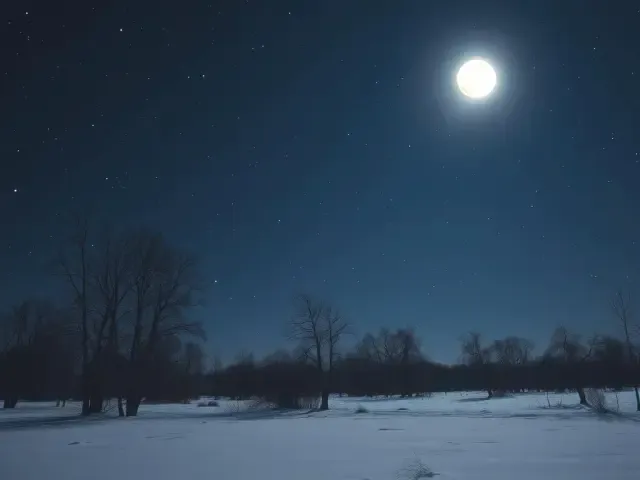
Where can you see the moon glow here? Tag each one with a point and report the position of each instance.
(476, 78)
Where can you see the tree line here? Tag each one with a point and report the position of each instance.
(125, 334)
(121, 334)
(391, 362)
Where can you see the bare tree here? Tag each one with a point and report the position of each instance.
(474, 354)
(176, 287)
(512, 351)
(610, 350)
(400, 347)
(319, 329)
(32, 352)
(569, 349)
(74, 264)
(336, 327)
(19, 328)
(164, 284)
(369, 349)
(143, 258)
(113, 286)
(145, 254)
(406, 348)
(100, 281)
(622, 309)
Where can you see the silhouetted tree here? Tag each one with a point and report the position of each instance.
(74, 265)
(396, 352)
(475, 355)
(165, 282)
(319, 329)
(569, 350)
(512, 351)
(112, 285)
(131, 291)
(622, 309)
(36, 357)
(610, 351)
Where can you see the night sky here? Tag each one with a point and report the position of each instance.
(323, 147)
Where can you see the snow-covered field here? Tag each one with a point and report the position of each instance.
(457, 436)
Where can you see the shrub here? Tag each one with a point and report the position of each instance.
(596, 399)
(361, 409)
(237, 406)
(416, 470)
(501, 394)
(557, 404)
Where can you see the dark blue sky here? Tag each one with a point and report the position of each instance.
(322, 147)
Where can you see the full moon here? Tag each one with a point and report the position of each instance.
(476, 78)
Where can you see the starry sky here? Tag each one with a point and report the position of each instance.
(322, 147)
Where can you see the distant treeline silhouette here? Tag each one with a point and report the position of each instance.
(125, 334)
(44, 370)
(283, 378)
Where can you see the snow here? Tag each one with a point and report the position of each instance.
(457, 436)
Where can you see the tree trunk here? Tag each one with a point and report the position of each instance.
(120, 407)
(86, 405)
(133, 404)
(489, 393)
(96, 403)
(86, 392)
(583, 398)
(10, 402)
(324, 405)
(637, 398)
(96, 398)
